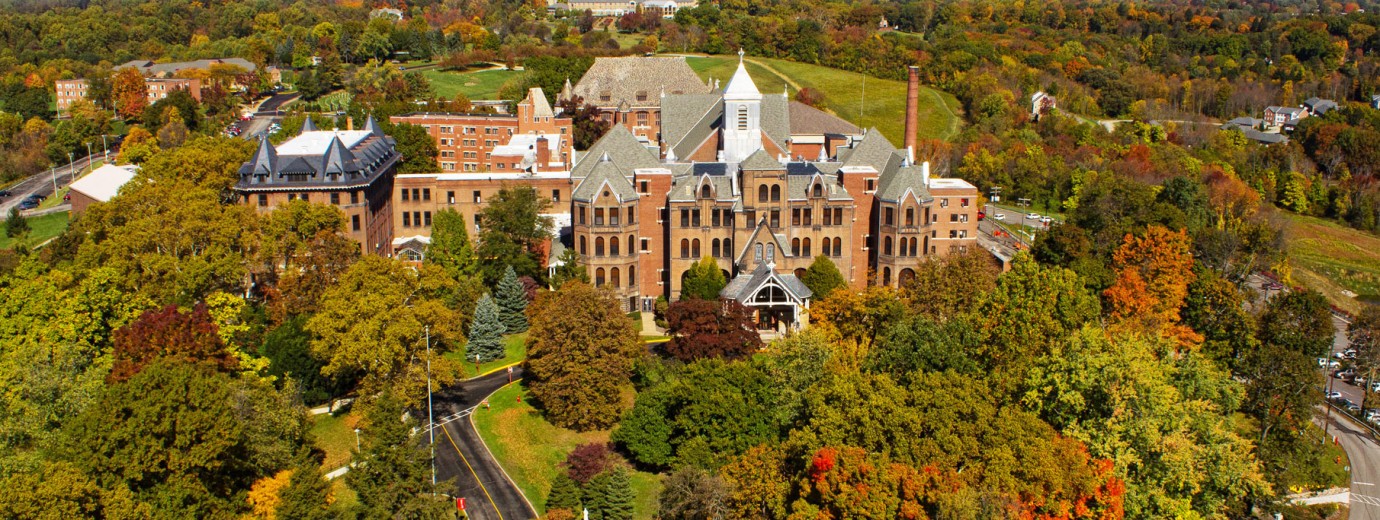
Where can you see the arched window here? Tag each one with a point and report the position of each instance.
(795, 247)
(776, 193)
(583, 243)
(632, 248)
(704, 191)
(714, 248)
(914, 245)
(838, 246)
(684, 248)
(616, 280)
(819, 190)
(599, 277)
(599, 246)
(757, 253)
(762, 194)
(805, 247)
(886, 246)
(632, 276)
(910, 216)
(613, 246)
(771, 253)
(695, 248)
(886, 276)
(728, 248)
(742, 117)
(926, 250)
(901, 247)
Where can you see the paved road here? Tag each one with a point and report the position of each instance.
(42, 182)
(268, 112)
(1364, 454)
(461, 455)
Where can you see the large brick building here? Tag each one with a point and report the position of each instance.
(628, 91)
(350, 169)
(732, 189)
(72, 90)
(534, 139)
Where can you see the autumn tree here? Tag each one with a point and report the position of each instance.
(513, 230)
(139, 144)
(317, 265)
(392, 474)
(450, 244)
(380, 334)
(759, 483)
(1215, 308)
(486, 332)
(948, 287)
(61, 490)
(169, 333)
(512, 302)
(1032, 309)
(1363, 334)
(823, 277)
(580, 353)
(693, 494)
(307, 494)
(1153, 272)
(858, 316)
(290, 229)
(710, 328)
(703, 280)
(129, 93)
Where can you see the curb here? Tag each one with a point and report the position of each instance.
(490, 453)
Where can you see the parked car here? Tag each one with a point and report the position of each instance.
(1350, 406)
(5, 193)
(1328, 363)
(1359, 381)
(28, 204)
(1375, 386)
(999, 216)
(1349, 353)
(1334, 395)
(1046, 220)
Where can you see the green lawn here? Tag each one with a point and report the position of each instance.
(40, 230)
(480, 84)
(336, 436)
(514, 348)
(1330, 257)
(54, 200)
(843, 94)
(531, 449)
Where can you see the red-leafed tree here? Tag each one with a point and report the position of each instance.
(710, 328)
(588, 460)
(189, 337)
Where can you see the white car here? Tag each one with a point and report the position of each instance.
(1334, 395)
(999, 216)
(1032, 216)
(1046, 220)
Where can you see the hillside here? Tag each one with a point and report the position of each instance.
(1332, 258)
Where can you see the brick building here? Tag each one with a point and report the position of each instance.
(351, 169)
(71, 90)
(732, 189)
(534, 139)
(628, 91)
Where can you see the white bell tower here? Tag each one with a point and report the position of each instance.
(742, 126)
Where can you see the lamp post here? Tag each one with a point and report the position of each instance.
(105, 147)
(430, 421)
(356, 439)
(88, 155)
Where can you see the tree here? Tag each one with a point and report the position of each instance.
(1363, 333)
(946, 288)
(616, 502)
(16, 225)
(513, 231)
(512, 301)
(823, 277)
(392, 472)
(918, 344)
(1215, 308)
(703, 280)
(580, 349)
(588, 460)
(416, 146)
(711, 328)
(129, 93)
(569, 268)
(379, 335)
(169, 333)
(586, 122)
(858, 317)
(173, 132)
(263, 496)
(1032, 309)
(60, 490)
(307, 495)
(565, 493)
(1299, 321)
(290, 229)
(694, 494)
(450, 244)
(288, 349)
(486, 332)
(188, 110)
(139, 145)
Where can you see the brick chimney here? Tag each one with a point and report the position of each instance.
(912, 106)
(543, 153)
(350, 123)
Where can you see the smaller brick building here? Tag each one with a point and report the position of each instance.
(100, 185)
(533, 140)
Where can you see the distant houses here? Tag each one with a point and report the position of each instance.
(1280, 116)
(1319, 106)
(1040, 102)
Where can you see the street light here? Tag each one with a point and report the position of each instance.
(356, 439)
(430, 421)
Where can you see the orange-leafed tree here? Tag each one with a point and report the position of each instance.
(129, 92)
(1153, 273)
(189, 337)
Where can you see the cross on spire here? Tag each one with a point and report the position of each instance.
(740, 55)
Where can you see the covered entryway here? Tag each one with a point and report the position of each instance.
(779, 301)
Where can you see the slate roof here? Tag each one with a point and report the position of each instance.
(1320, 106)
(686, 121)
(687, 188)
(874, 150)
(321, 159)
(622, 147)
(149, 67)
(1256, 135)
(623, 78)
(745, 285)
(799, 181)
(761, 160)
(759, 230)
(808, 120)
(893, 186)
(604, 174)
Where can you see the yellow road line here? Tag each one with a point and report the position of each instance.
(471, 468)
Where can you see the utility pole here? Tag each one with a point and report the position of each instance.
(430, 417)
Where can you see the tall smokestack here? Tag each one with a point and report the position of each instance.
(912, 106)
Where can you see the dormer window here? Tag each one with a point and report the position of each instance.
(819, 190)
(704, 192)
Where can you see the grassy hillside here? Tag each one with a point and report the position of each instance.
(843, 94)
(1330, 258)
(480, 84)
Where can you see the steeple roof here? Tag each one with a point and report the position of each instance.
(308, 125)
(265, 160)
(740, 86)
(372, 127)
(337, 157)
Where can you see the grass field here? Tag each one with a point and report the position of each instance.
(843, 94)
(480, 84)
(531, 449)
(40, 230)
(514, 348)
(336, 436)
(1331, 258)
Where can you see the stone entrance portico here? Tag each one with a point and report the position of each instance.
(779, 301)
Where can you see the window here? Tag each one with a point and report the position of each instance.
(903, 245)
(872, 185)
(416, 218)
(478, 199)
(963, 202)
(943, 203)
(714, 249)
(632, 217)
(890, 218)
(263, 199)
(838, 216)
(354, 197)
(795, 216)
(581, 214)
(614, 277)
(910, 216)
(684, 248)
(886, 246)
(304, 197)
(646, 245)
(292, 196)
(771, 253)
(819, 190)
(704, 191)
(728, 248)
(757, 253)
(795, 247)
(599, 277)
(775, 218)
(354, 222)
(742, 117)
(695, 248)
(838, 246)
(599, 246)
(953, 233)
(613, 246)
(805, 246)
(684, 218)
(807, 216)
(714, 218)
(583, 243)
(953, 217)
(695, 217)
(450, 197)
(555, 195)
(630, 245)
(776, 193)
(632, 276)
(641, 119)
(642, 186)
(963, 218)
(613, 216)
(427, 217)
(762, 194)
(335, 198)
(416, 194)
(426, 194)
(407, 219)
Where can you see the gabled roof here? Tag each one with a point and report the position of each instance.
(874, 150)
(808, 120)
(540, 108)
(265, 160)
(761, 160)
(798, 185)
(372, 126)
(744, 286)
(762, 229)
(622, 147)
(308, 125)
(687, 188)
(604, 175)
(337, 157)
(105, 182)
(906, 181)
(624, 78)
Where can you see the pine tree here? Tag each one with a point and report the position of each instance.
(307, 495)
(512, 300)
(565, 493)
(450, 245)
(16, 225)
(570, 269)
(609, 495)
(596, 495)
(486, 332)
(392, 476)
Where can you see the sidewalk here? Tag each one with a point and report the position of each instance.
(649, 327)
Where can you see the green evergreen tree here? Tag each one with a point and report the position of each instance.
(512, 302)
(609, 495)
(703, 280)
(450, 245)
(486, 332)
(307, 495)
(392, 474)
(569, 269)
(595, 495)
(565, 493)
(16, 224)
(823, 277)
